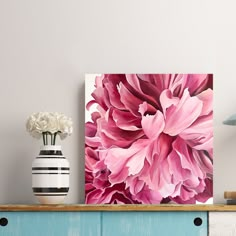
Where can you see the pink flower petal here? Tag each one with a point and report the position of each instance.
(101, 97)
(181, 115)
(90, 135)
(148, 196)
(204, 161)
(168, 100)
(207, 98)
(200, 134)
(186, 158)
(114, 194)
(126, 121)
(114, 95)
(143, 89)
(134, 184)
(198, 83)
(132, 102)
(125, 162)
(152, 125)
(207, 193)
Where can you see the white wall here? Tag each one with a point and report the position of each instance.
(47, 46)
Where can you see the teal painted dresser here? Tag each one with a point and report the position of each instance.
(105, 220)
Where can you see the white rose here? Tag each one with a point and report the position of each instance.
(64, 126)
(49, 122)
(31, 127)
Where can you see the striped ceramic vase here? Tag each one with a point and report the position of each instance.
(50, 175)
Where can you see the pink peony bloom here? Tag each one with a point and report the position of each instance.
(150, 140)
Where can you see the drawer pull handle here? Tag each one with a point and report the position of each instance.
(197, 221)
(3, 221)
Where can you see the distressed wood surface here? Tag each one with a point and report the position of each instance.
(103, 223)
(81, 207)
(222, 223)
(153, 224)
(51, 224)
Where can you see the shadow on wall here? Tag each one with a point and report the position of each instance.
(80, 147)
(19, 178)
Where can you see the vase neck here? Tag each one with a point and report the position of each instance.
(51, 148)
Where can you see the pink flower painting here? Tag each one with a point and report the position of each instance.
(149, 139)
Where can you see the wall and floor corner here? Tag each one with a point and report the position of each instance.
(47, 47)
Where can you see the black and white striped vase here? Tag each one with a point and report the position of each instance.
(50, 175)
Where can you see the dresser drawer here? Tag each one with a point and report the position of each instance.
(154, 224)
(222, 223)
(50, 224)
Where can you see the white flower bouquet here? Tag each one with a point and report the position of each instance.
(44, 124)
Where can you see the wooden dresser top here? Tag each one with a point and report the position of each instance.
(84, 207)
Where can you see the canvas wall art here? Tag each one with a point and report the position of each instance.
(149, 138)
